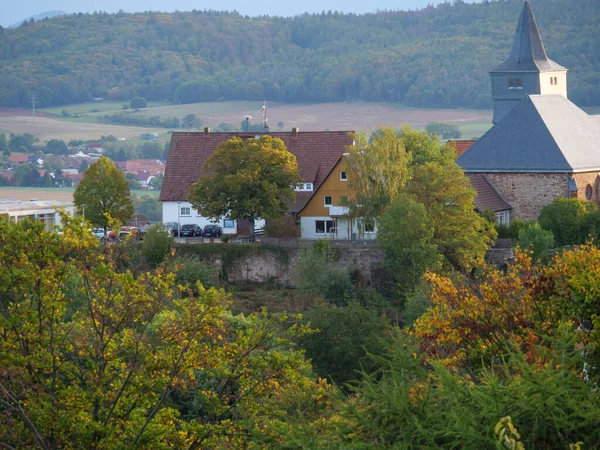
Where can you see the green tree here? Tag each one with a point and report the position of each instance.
(190, 121)
(247, 179)
(19, 141)
(4, 145)
(133, 183)
(378, 166)
(406, 235)
(535, 238)
(345, 337)
(83, 166)
(564, 217)
(157, 244)
(443, 130)
(138, 103)
(105, 194)
(27, 175)
(156, 181)
(460, 234)
(150, 150)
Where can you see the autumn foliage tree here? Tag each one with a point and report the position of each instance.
(92, 356)
(247, 179)
(104, 194)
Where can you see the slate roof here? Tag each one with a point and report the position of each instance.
(543, 133)
(317, 152)
(528, 53)
(487, 195)
(461, 146)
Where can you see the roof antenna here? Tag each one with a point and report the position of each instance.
(265, 120)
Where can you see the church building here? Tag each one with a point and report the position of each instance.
(542, 146)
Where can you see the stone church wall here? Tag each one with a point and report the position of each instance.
(583, 180)
(528, 193)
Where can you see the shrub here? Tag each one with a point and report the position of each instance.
(345, 337)
(564, 217)
(284, 227)
(157, 244)
(190, 270)
(538, 239)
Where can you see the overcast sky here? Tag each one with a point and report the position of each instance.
(12, 12)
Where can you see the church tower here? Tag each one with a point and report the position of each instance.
(527, 71)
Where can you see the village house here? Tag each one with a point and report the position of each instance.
(46, 211)
(542, 146)
(317, 154)
(324, 216)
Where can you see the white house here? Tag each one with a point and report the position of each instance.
(317, 153)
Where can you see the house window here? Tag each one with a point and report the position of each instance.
(304, 187)
(555, 81)
(228, 223)
(511, 83)
(343, 200)
(589, 192)
(328, 200)
(308, 186)
(185, 211)
(502, 218)
(324, 226)
(343, 176)
(551, 80)
(369, 226)
(519, 83)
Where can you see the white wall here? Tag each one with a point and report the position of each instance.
(170, 210)
(308, 229)
(547, 88)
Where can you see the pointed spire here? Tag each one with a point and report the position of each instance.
(527, 45)
(528, 52)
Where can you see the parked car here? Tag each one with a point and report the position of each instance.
(192, 230)
(212, 231)
(173, 227)
(98, 232)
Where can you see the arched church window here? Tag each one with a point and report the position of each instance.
(589, 192)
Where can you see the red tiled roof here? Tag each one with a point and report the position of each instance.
(10, 176)
(487, 195)
(461, 146)
(317, 152)
(134, 165)
(18, 158)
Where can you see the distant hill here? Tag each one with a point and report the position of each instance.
(435, 57)
(40, 16)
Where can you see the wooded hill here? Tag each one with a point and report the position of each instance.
(435, 57)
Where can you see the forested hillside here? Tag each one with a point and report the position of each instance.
(437, 57)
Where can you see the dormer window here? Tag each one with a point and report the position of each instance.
(303, 187)
(515, 83)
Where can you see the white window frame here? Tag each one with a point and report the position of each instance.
(328, 226)
(502, 218)
(330, 197)
(343, 175)
(185, 211)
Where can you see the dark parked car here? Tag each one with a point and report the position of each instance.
(172, 227)
(212, 231)
(192, 230)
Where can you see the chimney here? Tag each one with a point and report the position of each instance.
(295, 132)
(206, 131)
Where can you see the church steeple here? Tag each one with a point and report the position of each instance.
(528, 70)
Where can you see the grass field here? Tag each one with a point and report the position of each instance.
(358, 116)
(59, 194)
(89, 107)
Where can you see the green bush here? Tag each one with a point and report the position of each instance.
(565, 218)
(190, 270)
(346, 335)
(284, 227)
(157, 245)
(538, 239)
